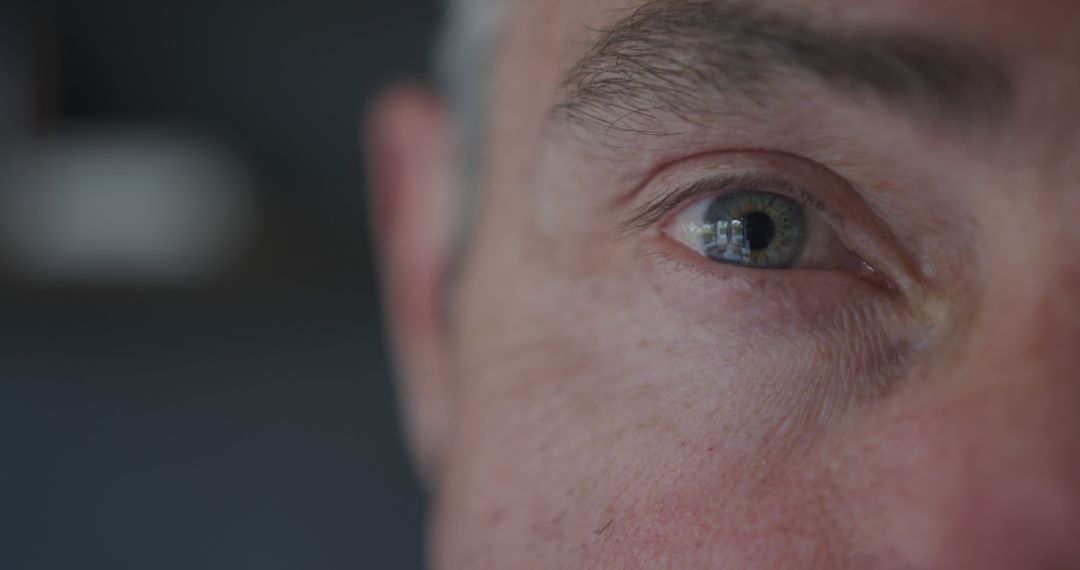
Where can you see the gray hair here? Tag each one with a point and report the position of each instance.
(464, 57)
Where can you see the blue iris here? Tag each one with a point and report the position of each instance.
(755, 229)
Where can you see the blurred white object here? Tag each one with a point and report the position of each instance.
(116, 205)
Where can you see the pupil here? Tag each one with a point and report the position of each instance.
(759, 230)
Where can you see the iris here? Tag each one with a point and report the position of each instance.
(754, 229)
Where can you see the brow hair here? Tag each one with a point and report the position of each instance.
(683, 58)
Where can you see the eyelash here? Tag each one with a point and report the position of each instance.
(648, 215)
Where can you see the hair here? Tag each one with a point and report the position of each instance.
(464, 58)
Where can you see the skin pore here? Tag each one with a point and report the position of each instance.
(599, 395)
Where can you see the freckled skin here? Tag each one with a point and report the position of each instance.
(616, 408)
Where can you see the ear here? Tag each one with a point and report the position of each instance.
(414, 208)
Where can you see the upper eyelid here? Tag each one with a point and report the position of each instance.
(647, 215)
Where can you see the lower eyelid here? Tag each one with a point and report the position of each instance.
(798, 306)
(755, 297)
(667, 256)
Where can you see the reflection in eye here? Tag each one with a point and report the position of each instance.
(746, 228)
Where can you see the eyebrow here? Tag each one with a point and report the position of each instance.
(694, 58)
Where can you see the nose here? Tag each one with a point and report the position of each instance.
(1009, 455)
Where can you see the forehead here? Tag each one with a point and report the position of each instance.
(1002, 19)
(1036, 40)
(552, 32)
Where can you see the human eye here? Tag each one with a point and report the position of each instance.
(771, 212)
(756, 222)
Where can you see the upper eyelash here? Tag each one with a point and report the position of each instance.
(648, 214)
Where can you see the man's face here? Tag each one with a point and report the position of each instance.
(782, 284)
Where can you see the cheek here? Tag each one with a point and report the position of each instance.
(664, 468)
(868, 493)
(728, 514)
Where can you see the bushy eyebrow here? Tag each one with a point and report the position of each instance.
(690, 59)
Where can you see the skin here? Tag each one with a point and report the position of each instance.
(581, 397)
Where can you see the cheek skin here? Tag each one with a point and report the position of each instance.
(625, 486)
(635, 449)
(717, 519)
(870, 494)
(808, 344)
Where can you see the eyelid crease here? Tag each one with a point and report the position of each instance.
(650, 213)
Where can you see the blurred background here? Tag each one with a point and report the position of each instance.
(192, 367)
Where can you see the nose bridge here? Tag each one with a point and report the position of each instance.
(1023, 363)
(1032, 317)
(1028, 308)
(1023, 368)
(1030, 312)
(1024, 346)
(1011, 421)
(1021, 377)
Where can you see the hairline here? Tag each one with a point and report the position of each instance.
(464, 61)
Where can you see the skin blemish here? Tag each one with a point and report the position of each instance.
(600, 531)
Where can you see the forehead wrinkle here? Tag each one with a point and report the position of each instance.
(693, 59)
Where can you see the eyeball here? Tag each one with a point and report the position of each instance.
(757, 229)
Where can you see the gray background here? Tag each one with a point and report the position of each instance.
(248, 422)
